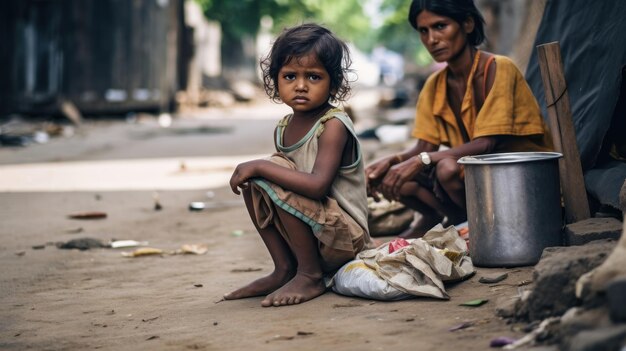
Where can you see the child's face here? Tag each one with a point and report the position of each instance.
(304, 84)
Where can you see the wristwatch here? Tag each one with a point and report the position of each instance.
(425, 158)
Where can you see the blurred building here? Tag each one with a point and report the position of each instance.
(104, 56)
(391, 65)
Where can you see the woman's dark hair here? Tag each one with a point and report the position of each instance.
(300, 41)
(458, 10)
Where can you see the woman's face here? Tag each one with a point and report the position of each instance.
(443, 37)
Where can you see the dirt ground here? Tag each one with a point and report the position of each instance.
(56, 299)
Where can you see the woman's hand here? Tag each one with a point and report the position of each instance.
(374, 175)
(398, 175)
(243, 172)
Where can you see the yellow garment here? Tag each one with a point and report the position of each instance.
(509, 110)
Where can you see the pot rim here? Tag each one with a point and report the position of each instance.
(509, 157)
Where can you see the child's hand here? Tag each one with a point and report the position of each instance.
(242, 186)
(241, 175)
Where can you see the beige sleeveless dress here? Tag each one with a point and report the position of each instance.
(339, 222)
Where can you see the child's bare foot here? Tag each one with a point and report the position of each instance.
(303, 287)
(261, 286)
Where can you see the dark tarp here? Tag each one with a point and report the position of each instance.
(592, 37)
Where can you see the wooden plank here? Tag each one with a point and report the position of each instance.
(563, 133)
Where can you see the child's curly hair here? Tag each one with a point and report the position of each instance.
(299, 41)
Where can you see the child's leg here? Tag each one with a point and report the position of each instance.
(284, 262)
(307, 283)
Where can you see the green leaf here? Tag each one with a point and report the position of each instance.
(474, 303)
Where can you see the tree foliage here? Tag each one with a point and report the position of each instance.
(347, 18)
(241, 18)
(398, 35)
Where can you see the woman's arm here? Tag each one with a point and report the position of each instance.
(376, 172)
(408, 169)
(314, 185)
(478, 146)
(420, 146)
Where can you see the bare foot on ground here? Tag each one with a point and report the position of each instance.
(261, 286)
(301, 288)
(423, 225)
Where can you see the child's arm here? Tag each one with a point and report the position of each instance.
(314, 185)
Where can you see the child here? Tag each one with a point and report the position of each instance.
(308, 201)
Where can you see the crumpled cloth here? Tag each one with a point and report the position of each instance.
(419, 269)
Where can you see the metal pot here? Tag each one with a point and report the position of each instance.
(513, 207)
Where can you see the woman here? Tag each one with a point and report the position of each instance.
(478, 104)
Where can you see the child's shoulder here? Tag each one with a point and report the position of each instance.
(338, 113)
(285, 120)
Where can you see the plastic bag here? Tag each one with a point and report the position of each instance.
(355, 278)
(418, 269)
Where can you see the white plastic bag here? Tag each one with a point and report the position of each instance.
(357, 279)
(419, 268)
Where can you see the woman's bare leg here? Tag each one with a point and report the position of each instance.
(432, 209)
(449, 176)
(307, 283)
(284, 262)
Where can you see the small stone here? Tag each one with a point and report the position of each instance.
(493, 278)
(501, 341)
(591, 229)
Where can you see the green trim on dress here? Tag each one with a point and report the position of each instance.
(315, 227)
